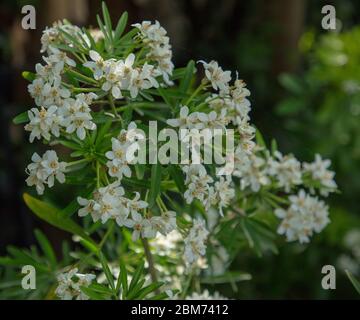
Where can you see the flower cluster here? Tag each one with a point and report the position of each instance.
(319, 172)
(110, 203)
(43, 171)
(285, 169)
(117, 75)
(195, 246)
(119, 157)
(55, 35)
(69, 284)
(158, 43)
(304, 216)
(57, 109)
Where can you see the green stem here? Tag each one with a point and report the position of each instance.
(107, 234)
(112, 104)
(73, 163)
(97, 174)
(81, 76)
(194, 94)
(187, 285)
(149, 259)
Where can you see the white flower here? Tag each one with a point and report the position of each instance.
(112, 77)
(214, 73)
(97, 64)
(223, 193)
(49, 36)
(35, 89)
(141, 226)
(154, 37)
(195, 242)
(108, 207)
(43, 122)
(89, 207)
(319, 171)
(108, 203)
(118, 164)
(77, 117)
(135, 205)
(53, 168)
(125, 69)
(239, 92)
(286, 170)
(142, 79)
(69, 284)
(36, 177)
(50, 73)
(43, 170)
(251, 169)
(304, 216)
(59, 57)
(54, 95)
(164, 223)
(182, 121)
(166, 245)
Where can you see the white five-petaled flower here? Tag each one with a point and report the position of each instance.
(195, 246)
(214, 73)
(43, 123)
(303, 217)
(77, 117)
(319, 171)
(69, 284)
(43, 171)
(97, 64)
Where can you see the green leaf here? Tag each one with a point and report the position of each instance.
(147, 290)
(69, 144)
(134, 292)
(274, 146)
(104, 31)
(46, 247)
(259, 139)
(53, 216)
(160, 296)
(120, 27)
(155, 184)
(72, 40)
(165, 96)
(186, 80)
(136, 276)
(290, 106)
(140, 170)
(27, 75)
(354, 281)
(129, 35)
(177, 175)
(103, 130)
(228, 277)
(107, 271)
(92, 294)
(91, 39)
(21, 118)
(291, 83)
(107, 20)
(74, 206)
(122, 281)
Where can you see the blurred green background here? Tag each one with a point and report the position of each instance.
(305, 85)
